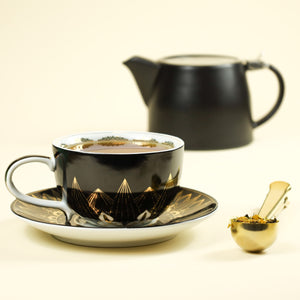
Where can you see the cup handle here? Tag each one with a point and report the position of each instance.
(51, 163)
(256, 65)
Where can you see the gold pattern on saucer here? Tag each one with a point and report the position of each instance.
(187, 205)
(39, 213)
(183, 202)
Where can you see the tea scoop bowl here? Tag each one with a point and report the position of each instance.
(256, 237)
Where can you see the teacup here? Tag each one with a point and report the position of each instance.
(117, 177)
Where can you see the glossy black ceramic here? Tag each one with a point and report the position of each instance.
(204, 99)
(121, 186)
(110, 187)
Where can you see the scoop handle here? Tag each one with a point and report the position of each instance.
(275, 200)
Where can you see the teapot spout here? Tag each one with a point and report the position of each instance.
(145, 72)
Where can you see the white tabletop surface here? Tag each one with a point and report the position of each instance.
(61, 72)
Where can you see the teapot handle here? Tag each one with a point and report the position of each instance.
(255, 65)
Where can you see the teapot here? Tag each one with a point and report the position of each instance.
(203, 99)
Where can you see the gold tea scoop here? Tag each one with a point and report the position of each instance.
(257, 233)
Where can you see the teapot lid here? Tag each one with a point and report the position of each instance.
(199, 60)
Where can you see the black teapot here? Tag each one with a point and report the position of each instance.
(204, 99)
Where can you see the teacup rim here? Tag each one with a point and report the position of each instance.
(177, 141)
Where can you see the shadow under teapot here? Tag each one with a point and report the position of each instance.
(204, 99)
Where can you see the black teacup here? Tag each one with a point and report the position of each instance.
(111, 176)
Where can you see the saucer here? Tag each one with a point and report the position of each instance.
(187, 209)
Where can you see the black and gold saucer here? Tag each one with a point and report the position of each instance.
(187, 209)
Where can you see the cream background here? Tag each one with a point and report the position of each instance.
(61, 61)
(61, 72)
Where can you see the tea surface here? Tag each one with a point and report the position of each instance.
(119, 146)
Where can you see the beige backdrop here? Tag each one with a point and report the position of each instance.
(61, 61)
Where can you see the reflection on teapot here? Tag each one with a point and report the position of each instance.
(204, 99)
